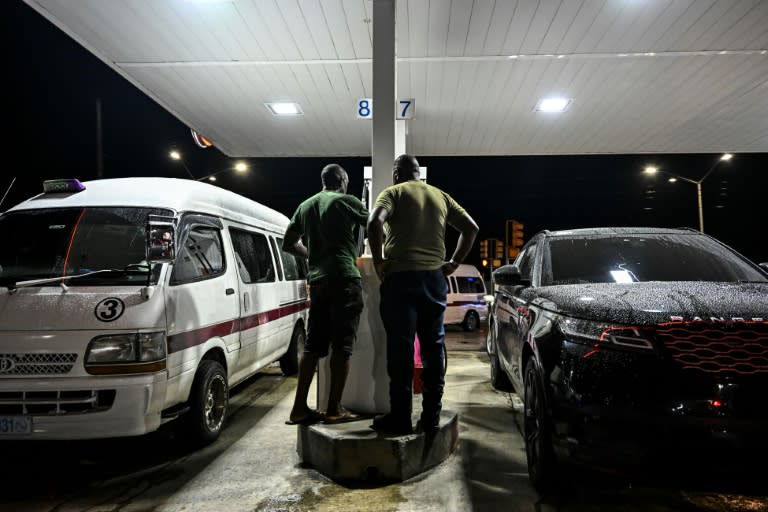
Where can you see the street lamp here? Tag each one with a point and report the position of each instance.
(239, 167)
(175, 155)
(650, 169)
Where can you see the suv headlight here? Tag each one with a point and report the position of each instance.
(607, 335)
(126, 353)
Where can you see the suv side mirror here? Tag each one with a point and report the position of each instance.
(161, 240)
(509, 275)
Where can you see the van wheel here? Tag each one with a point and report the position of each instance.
(289, 363)
(471, 321)
(208, 400)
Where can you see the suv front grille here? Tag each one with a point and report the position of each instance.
(739, 348)
(53, 403)
(36, 364)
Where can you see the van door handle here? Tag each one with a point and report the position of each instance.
(230, 291)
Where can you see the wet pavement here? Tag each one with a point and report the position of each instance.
(254, 465)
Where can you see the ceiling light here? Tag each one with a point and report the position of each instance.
(212, 178)
(241, 167)
(726, 157)
(553, 105)
(672, 180)
(513, 56)
(175, 155)
(284, 109)
(650, 169)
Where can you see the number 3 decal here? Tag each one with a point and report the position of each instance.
(109, 309)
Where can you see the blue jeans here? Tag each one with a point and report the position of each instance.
(414, 303)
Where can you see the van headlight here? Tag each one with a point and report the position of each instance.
(126, 353)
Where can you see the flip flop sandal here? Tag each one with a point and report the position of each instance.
(309, 419)
(344, 417)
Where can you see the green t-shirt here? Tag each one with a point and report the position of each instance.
(415, 229)
(327, 225)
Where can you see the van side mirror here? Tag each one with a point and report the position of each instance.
(509, 275)
(161, 239)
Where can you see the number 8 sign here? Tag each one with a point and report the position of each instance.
(405, 108)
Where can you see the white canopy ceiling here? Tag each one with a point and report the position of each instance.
(667, 76)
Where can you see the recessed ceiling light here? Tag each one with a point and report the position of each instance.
(284, 109)
(513, 56)
(553, 105)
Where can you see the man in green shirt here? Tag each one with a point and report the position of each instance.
(323, 229)
(413, 270)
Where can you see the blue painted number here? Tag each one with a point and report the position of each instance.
(405, 104)
(363, 109)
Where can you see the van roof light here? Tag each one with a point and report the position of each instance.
(68, 185)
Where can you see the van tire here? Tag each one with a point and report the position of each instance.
(289, 363)
(208, 402)
(471, 321)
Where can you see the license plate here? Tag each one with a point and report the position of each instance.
(15, 425)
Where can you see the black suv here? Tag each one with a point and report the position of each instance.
(632, 345)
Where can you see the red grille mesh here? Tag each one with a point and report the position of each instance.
(717, 347)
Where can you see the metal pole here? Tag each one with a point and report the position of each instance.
(99, 148)
(8, 190)
(701, 207)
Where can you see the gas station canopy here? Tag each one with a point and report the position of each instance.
(666, 76)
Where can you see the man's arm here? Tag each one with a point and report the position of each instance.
(292, 244)
(378, 217)
(468, 230)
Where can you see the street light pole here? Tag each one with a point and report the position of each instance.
(726, 157)
(175, 155)
(239, 167)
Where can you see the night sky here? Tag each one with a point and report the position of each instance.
(49, 104)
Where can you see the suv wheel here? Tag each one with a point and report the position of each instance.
(542, 465)
(499, 379)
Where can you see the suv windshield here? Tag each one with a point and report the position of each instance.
(58, 242)
(633, 258)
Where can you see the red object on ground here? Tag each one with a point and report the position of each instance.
(417, 367)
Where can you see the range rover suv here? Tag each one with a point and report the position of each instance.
(632, 345)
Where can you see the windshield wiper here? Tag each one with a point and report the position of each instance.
(130, 269)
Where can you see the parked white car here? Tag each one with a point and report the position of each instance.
(126, 303)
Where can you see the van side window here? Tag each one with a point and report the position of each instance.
(470, 285)
(200, 257)
(294, 269)
(275, 251)
(254, 261)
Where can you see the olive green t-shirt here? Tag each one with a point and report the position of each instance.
(326, 223)
(415, 229)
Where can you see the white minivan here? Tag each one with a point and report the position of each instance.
(466, 298)
(126, 303)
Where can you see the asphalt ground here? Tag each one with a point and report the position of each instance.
(254, 465)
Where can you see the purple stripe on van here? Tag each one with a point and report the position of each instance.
(184, 340)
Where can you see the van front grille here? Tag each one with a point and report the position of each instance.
(36, 364)
(52, 403)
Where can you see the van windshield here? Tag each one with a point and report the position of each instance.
(45, 243)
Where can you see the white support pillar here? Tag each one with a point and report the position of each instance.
(401, 130)
(384, 80)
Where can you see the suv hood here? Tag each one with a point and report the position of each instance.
(656, 302)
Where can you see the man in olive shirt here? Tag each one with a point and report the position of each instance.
(327, 223)
(413, 215)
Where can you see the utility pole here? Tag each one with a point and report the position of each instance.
(99, 150)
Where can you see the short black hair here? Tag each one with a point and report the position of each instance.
(332, 176)
(407, 164)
